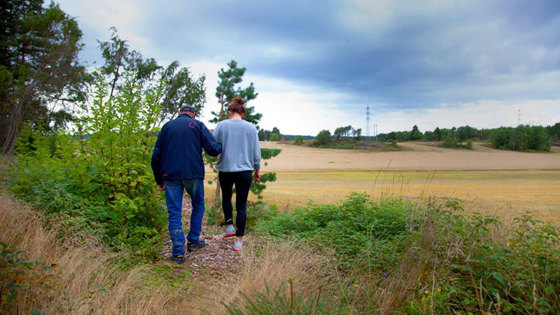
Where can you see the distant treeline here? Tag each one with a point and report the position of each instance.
(521, 138)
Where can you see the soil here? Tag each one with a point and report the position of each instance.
(417, 156)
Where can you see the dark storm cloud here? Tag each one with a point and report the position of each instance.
(417, 57)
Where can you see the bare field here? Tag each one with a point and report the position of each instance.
(418, 156)
(486, 180)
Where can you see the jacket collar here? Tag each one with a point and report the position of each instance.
(185, 115)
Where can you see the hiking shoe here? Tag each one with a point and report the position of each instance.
(179, 259)
(230, 231)
(192, 246)
(237, 246)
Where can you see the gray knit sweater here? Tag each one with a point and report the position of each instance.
(240, 146)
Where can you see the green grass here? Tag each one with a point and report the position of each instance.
(446, 261)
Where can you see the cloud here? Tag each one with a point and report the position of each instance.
(400, 56)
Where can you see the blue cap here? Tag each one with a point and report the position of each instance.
(187, 108)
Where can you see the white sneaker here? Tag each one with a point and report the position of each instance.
(230, 231)
(237, 246)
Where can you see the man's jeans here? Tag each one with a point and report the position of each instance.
(174, 199)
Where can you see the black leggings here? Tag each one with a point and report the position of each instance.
(242, 181)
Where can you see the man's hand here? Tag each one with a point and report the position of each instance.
(161, 187)
(257, 176)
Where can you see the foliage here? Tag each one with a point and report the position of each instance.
(415, 134)
(451, 140)
(322, 138)
(553, 131)
(227, 89)
(298, 140)
(520, 275)
(39, 68)
(99, 178)
(522, 138)
(270, 135)
(356, 228)
(342, 131)
(257, 188)
(17, 275)
(469, 146)
(176, 84)
(346, 131)
(445, 261)
(102, 177)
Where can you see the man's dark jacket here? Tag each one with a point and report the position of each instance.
(178, 150)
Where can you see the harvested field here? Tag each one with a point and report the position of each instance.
(419, 156)
(486, 180)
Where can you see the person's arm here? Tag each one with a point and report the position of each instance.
(257, 157)
(156, 162)
(209, 144)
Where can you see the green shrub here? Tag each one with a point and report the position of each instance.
(355, 228)
(102, 174)
(322, 138)
(460, 263)
(299, 140)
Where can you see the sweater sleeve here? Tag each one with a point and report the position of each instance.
(209, 143)
(257, 152)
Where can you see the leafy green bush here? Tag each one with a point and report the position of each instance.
(518, 275)
(299, 140)
(355, 229)
(322, 138)
(102, 174)
(445, 261)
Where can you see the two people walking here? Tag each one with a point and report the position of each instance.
(177, 165)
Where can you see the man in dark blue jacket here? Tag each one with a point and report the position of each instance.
(177, 165)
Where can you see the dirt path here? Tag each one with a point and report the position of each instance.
(217, 258)
(420, 156)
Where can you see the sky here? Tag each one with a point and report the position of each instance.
(317, 64)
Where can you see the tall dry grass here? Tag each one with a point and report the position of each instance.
(83, 276)
(271, 263)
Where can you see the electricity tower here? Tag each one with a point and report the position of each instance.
(367, 121)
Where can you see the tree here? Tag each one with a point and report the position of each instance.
(342, 131)
(466, 132)
(359, 133)
(322, 138)
(177, 84)
(415, 133)
(275, 134)
(299, 140)
(264, 135)
(227, 89)
(437, 134)
(39, 70)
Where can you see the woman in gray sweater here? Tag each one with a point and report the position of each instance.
(241, 154)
